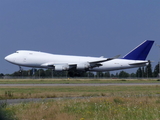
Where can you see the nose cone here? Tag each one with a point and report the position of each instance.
(7, 58)
(10, 58)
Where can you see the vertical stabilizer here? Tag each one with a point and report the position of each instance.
(140, 52)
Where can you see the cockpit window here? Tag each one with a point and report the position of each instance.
(17, 52)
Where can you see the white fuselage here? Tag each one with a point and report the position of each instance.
(43, 60)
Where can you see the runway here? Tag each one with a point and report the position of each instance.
(17, 101)
(89, 84)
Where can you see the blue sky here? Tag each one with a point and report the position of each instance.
(78, 27)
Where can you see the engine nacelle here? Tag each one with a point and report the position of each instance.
(83, 66)
(61, 67)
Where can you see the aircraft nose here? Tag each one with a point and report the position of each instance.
(9, 58)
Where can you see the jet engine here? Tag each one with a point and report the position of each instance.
(61, 67)
(83, 66)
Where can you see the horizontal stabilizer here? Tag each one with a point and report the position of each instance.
(138, 63)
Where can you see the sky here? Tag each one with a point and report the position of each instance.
(78, 27)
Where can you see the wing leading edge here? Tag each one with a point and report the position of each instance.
(78, 66)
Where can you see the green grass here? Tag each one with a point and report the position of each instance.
(15, 92)
(100, 102)
(102, 108)
(75, 81)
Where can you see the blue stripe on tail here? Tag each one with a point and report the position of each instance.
(140, 52)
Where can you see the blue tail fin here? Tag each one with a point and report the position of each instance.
(140, 52)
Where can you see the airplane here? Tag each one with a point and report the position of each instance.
(37, 59)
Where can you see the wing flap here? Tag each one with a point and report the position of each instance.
(98, 63)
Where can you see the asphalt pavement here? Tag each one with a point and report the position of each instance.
(89, 84)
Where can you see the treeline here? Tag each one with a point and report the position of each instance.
(142, 72)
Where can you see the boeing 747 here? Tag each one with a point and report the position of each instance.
(35, 59)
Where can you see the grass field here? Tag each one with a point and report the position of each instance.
(75, 81)
(102, 108)
(75, 91)
(99, 102)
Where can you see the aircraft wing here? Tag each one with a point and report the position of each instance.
(86, 65)
(98, 63)
(77, 66)
(70, 66)
(108, 59)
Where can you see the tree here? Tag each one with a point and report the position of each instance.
(1, 75)
(90, 74)
(112, 75)
(123, 74)
(40, 73)
(156, 70)
(139, 72)
(143, 72)
(148, 70)
(107, 74)
(132, 75)
(99, 74)
(48, 73)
